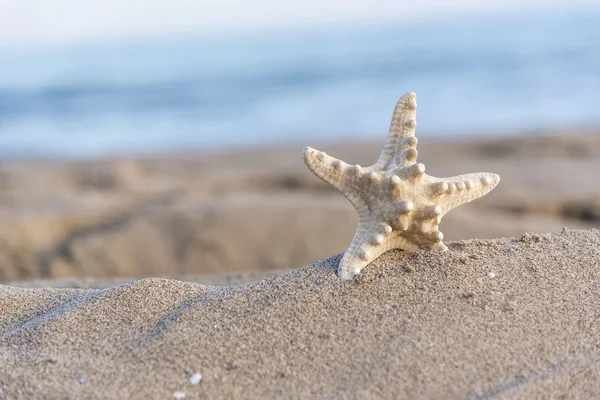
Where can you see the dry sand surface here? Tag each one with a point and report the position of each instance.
(422, 325)
(249, 210)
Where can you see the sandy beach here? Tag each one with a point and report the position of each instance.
(167, 232)
(226, 309)
(239, 211)
(505, 318)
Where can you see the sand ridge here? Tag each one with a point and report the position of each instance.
(421, 325)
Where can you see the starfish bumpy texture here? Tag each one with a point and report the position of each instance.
(398, 205)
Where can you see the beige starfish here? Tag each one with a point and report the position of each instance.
(398, 205)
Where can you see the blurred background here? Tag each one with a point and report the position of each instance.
(145, 138)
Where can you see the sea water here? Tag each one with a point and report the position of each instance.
(473, 76)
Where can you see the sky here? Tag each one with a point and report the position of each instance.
(67, 21)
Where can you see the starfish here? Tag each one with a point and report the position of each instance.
(398, 205)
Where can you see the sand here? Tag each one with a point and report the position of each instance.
(416, 326)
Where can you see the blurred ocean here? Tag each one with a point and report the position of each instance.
(473, 76)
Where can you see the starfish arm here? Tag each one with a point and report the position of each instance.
(342, 176)
(369, 242)
(401, 143)
(373, 238)
(461, 189)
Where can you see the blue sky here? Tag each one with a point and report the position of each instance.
(65, 21)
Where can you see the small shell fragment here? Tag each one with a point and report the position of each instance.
(196, 378)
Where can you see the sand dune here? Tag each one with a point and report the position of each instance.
(422, 325)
